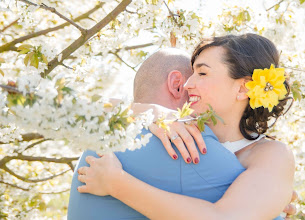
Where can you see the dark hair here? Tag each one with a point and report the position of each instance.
(243, 54)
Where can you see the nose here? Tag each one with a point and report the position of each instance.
(189, 83)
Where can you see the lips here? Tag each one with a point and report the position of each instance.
(194, 99)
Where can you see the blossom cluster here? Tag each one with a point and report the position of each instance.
(51, 109)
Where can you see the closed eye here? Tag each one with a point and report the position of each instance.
(202, 74)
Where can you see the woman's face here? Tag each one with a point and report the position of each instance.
(211, 83)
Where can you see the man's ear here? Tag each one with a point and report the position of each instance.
(175, 82)
(242, 90)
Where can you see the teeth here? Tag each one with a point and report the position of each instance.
(194, 98)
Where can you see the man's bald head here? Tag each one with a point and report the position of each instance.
(154, 71)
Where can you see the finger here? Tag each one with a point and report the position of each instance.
(294, 196)
(290, 209)
(90, 160)
(83, 189)
(82, 170)
(161, 134)
(82, 178)
(100, 155)
(188, 140)
(195, 132)
(178, 142)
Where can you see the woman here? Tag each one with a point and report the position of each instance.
(223, 68)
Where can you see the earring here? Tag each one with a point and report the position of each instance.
(238, 97)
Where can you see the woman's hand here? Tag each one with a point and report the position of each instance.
(290, 209)
(182, 135)
(101, 174)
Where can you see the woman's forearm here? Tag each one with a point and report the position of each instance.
(158, 204)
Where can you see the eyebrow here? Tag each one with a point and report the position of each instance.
(198, 65)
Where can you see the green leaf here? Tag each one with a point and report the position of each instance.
(28, 58)
(1, 72)
(296, 90)
(67, 89)
(95, 98)
(276, 7)
(214, 120)
(200, 124)
(34, 61)
(44, 59)
(24, 48)
(302, 1)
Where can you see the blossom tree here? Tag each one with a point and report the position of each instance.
(58, 59)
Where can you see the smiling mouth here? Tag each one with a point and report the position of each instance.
(194, 99)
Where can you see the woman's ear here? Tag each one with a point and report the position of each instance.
(175, 82)
(242, 90)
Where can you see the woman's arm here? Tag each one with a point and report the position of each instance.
(261, 192)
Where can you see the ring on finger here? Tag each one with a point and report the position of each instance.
(187, 122)
(174, 137)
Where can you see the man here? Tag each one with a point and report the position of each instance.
(160, 80)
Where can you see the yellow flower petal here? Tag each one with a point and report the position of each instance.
(270, 98)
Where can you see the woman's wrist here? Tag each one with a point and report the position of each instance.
(116, 183)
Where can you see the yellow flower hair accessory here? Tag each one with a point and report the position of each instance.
(267, 87)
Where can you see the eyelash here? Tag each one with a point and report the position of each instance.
(202, 74)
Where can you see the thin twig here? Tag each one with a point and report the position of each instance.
(64, 65)
(64, 160)
(11, 45)
(26, 137)
(117, 56)
(70, 164)
(138, 46)
(11, 24)
(66, 190)
(35, 143)
(274, 5)
(131, 12)
(10, 89)
(5, 168)
(84, 37)
(53, 10)
(171, 13)
(291, 68)
(125, 48)
(14, 185)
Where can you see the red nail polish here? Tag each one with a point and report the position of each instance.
(204, 151)
(175, 157)
(188, 160)
(196, 160)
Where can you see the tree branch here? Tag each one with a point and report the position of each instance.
(5, 168)
(31, 136)
(14, 185)
(44, 159)
(84, 37)
(274, 5)
(116, 55)
(138, 46)
(53, 10)
(11, 24)
(66, 190)
(35, 143)
(11, 45)
(27, 137)
(10, 89)
(65, 160)
(171, 13)
(291, 68)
